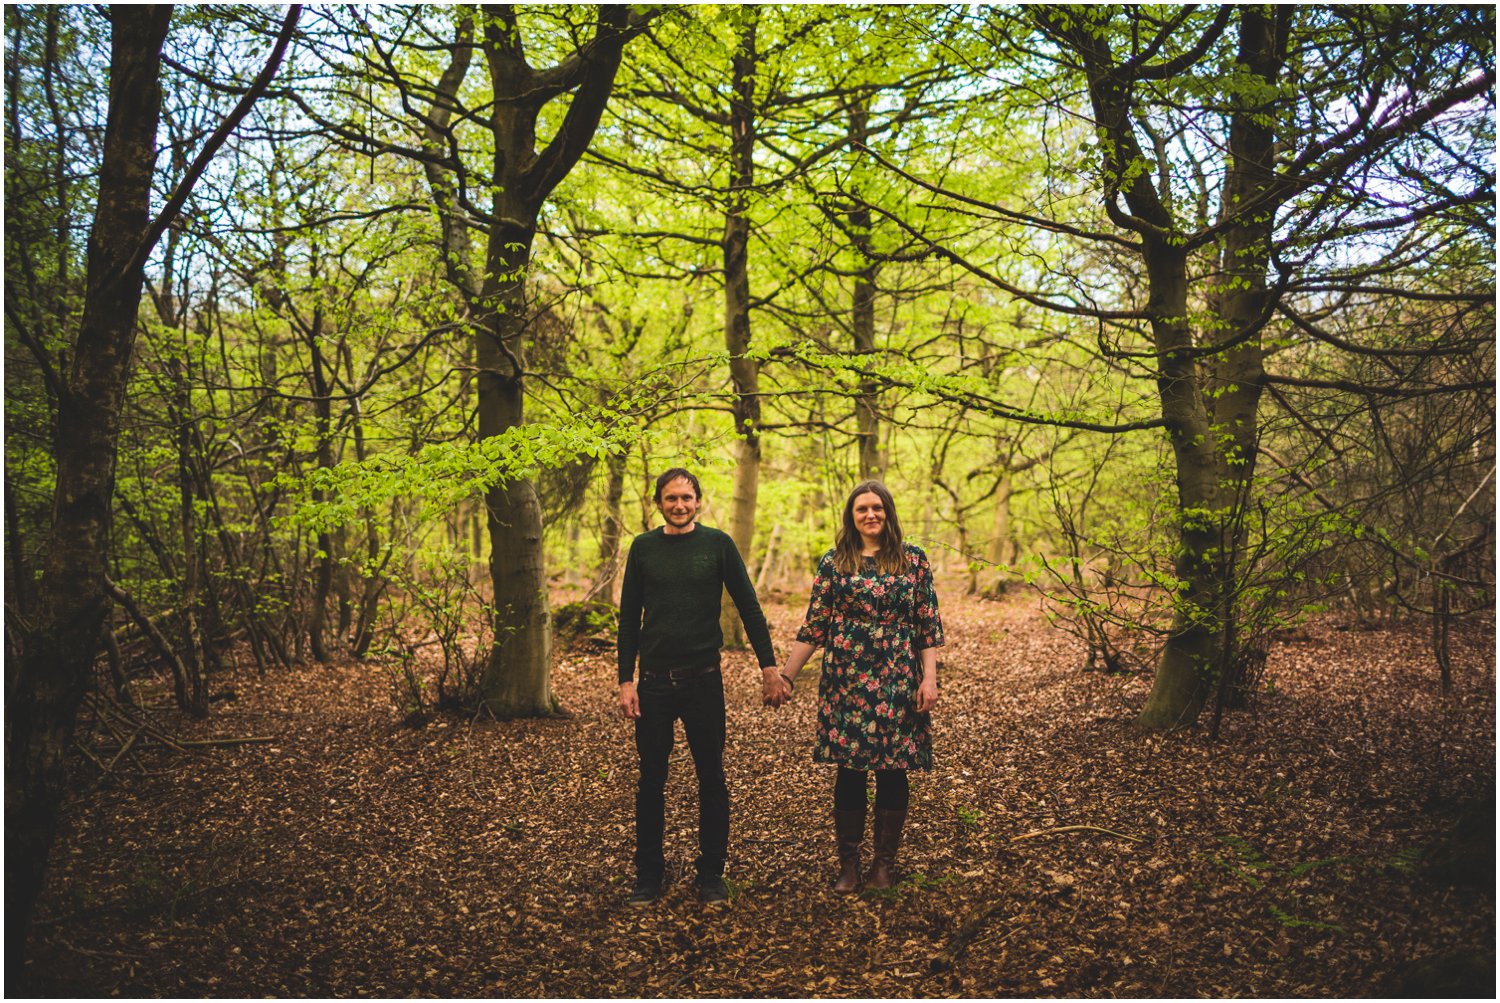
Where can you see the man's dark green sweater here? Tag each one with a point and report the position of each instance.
(669, 602)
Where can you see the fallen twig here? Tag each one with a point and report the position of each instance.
(92, 758)
(949, 955)
(251, 740)
(119, 755)
(162, 737)
(139, 724)
(1073, 828)
(183, 744)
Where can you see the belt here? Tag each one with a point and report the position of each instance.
(679, 674)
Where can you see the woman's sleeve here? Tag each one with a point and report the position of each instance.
(820, 608)
(929, 623)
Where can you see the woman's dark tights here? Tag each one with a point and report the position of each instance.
(892, 792)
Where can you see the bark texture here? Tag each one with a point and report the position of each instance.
(516, 681)
(744, 372)
(59, 645)
(55, 648)
(1208, 381)
(862, 312)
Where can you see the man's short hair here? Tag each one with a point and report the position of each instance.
(672, 475)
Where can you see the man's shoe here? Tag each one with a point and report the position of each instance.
(646, 891)
(713, 889)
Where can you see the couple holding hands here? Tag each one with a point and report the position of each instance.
(874, 613)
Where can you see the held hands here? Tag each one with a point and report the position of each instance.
(774, 689)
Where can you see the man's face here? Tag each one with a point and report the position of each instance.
(679, 503)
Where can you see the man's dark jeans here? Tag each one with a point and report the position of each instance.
(699, 702)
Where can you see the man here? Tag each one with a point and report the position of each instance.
(670, 596)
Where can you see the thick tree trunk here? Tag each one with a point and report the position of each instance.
(59, 647)
(1191, 650)
(1242, 302)
(1215, 435)
(1195, 417)
(517, 678)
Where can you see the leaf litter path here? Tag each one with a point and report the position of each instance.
(352, 857)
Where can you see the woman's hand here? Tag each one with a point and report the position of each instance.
(927, 695)
(927, 691)
(775, 689)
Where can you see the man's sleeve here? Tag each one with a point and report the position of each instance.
(737, 581)
(628, 632)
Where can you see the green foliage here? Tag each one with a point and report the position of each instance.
(432, 603)
(306, 374)
(577, 621)
(441, 476)
(1282, 884)
(1405, 860)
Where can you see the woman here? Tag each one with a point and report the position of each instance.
(874, 612)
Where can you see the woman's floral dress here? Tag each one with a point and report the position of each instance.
(871, 626)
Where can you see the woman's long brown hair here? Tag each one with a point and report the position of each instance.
(848, 545)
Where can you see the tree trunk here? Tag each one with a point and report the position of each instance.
(317, 623)
(1215, 435)
(17, 568)
(58, 650)
(1241, 305)
(191, 689)
(517, 677)
(866, 417)
(516, 680)
(862, 315)
(1195, 413)
(744, 372)
(763, 575)
(1191, 650)
(603, 589)
(372, 580)
(1002, 546)
(195, 698)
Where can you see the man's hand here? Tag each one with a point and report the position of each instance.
(774, 689)
(630, 704)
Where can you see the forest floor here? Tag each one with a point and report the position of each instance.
(1336, 840)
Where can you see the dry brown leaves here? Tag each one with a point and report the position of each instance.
(470, 858)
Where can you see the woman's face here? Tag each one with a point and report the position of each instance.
(869, 517)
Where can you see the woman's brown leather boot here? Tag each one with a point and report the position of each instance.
(888, 826)
(849, 828)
